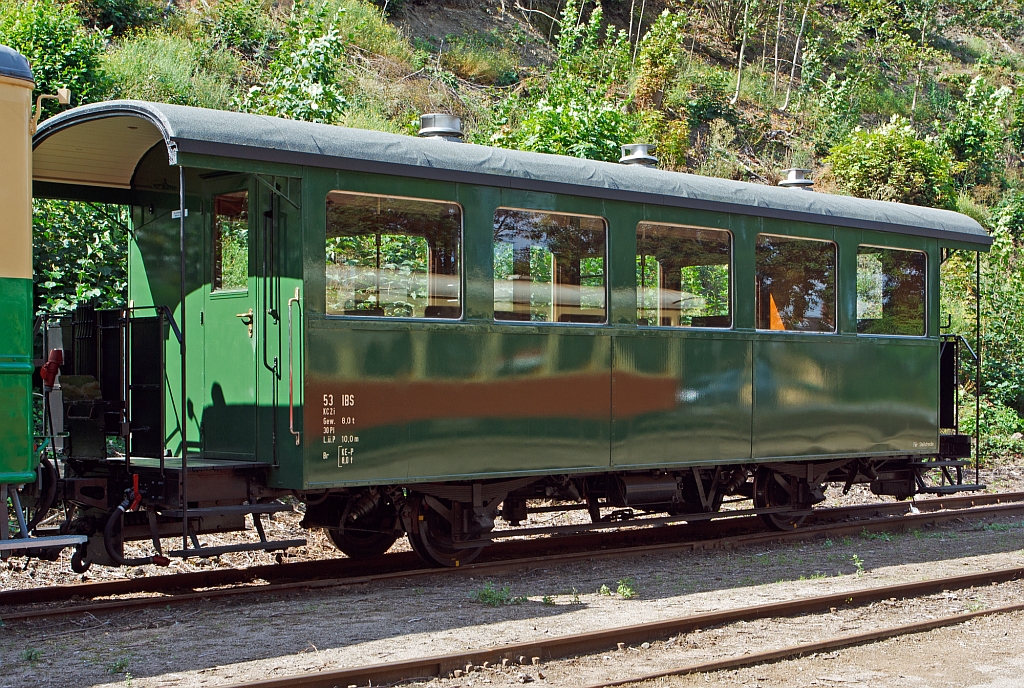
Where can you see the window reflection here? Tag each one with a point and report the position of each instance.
(231, 241)
(393, 257)
(682, 276)
(549, 267)
(796, 284)
(890, 291)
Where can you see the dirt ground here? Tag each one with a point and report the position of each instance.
(221, 642)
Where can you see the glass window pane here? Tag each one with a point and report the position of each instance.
(231, 241)
(796, 284)
(682, 276)
(890, 291)
(549, 267)
(393, 257)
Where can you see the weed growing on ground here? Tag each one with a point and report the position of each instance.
(575, 596)
(627, 588)
(120, 666)
(604, 590)
(999, 527)
(496, 597)
(865, 534)
(31, 654)
(859, 563)
(548, 599)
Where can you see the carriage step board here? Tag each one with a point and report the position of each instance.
(951, 489)
(241, 509)
(951, 463)
(269, 546)
(42, 542)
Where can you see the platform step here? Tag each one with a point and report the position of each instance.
(951, 489)
(240, 509)
(48, 542)
(269, 546)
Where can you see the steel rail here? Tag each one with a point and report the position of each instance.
(835, 643)
(525, 564)
(605, 639)
(518, 550)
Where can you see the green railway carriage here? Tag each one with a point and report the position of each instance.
(413, 334)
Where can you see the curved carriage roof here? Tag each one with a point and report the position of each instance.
(14, 65)
(101, 144)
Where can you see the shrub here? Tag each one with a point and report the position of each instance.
(892, 163)
(120, 15)
(975, 135)
(62, 52)
(659, 57)
(302, 79)
(243, 25)
(80, 255)
(167, 68)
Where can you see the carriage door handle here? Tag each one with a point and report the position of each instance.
(247, 320)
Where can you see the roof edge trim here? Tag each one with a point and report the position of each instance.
(106, 110)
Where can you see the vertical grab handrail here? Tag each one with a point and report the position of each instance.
(291, 372)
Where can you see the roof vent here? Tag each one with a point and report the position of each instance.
(796, 177)
(638, 154)
(438, 126)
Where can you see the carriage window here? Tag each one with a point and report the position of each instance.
(890, 291)
(393, 257)
(549, 267)
(231, 241)
(682, 276)
(796, 284)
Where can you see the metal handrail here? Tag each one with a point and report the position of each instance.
(291, 372)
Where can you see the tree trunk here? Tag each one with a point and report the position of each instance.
(778, 37)
(796, 55)
(743, 47)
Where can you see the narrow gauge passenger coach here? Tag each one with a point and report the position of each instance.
(417, 335)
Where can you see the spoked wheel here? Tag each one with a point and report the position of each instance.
(431, 535)
(772, 489)
(368, 536)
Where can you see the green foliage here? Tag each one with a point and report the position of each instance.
(62, 52)
(302, 79)
(496, 597)
(31, 655)
(626, 588)
(245, 26)
(168, 68)
(837, 112)
(80, 255)
(975, 136)
(892, 163)
(121, 15)
(481, 58)
(1002, 430)
(858, 563)
(660, 56)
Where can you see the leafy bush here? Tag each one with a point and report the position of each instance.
(659, 58)
(243, 25)
(168, 68)
(1002, 430)
(302, 79)
(80, 255)
(60, 49)
(837, 112)
(975, 136)
(481, 58)
(121, 15)
(704, 95)
(892, 163)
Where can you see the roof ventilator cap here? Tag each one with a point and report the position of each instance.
(439, 126)
(796, 177)
(638, 154)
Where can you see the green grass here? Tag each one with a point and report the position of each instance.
(31, 654)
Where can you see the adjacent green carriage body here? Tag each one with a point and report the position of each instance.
(304, 376)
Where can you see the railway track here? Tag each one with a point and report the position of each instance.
(509, 556)
(611, 638)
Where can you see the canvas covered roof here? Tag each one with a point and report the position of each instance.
(101, 145)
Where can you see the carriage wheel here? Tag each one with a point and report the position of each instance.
(371, 536)
(431, 536)
(773, 489)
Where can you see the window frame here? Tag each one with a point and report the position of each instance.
(403, 318)
(836, 282)
(222, 293)
(732, 280)
(925, 296)
(549, 323)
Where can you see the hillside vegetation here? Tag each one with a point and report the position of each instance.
(919, 101)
